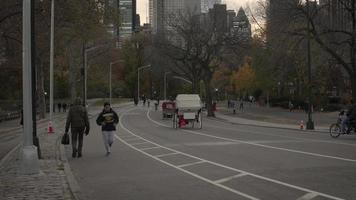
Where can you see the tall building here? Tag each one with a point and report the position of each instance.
(127, 10)
(208, 4)
(218, 16)
(160, 11)
(241, 25)
(231, 14)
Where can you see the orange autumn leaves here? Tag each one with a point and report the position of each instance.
(241, 80)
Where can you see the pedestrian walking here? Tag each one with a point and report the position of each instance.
(108, 120)
(78, 122)
(290, 105)
(241, 105)
(64, 106)
(59, 105)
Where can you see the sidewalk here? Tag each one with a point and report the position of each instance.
(53, 181)
(275, 117)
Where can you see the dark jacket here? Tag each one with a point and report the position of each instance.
(107, 120)
(77, 118)
(351, 113)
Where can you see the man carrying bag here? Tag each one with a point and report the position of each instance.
(78, 121)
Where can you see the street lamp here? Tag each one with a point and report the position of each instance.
(310, 123)
(85, 71)
(110, 79)
(165, 84)
(138, 80)
(183, 79)
(29, 157)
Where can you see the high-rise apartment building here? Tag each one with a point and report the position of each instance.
(218, 16)
(160, 11)
(241, 25)
(208, 4)
(231, 14)
(127, 10)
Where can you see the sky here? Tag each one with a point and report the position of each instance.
(142, 6)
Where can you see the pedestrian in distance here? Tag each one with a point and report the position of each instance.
(108, 119)
(64, 106)
(290, 106)
(59, 105)
(241, 105)
(77, 120)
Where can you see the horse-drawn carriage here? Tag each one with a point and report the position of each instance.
(188, 111)
(168, 109)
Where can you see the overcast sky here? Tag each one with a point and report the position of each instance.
(231, 4)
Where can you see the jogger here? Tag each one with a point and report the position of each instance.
(108, 120)
(108, 138)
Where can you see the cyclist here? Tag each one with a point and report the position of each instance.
(351, 116)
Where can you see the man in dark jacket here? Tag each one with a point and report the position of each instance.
(78, 121)
(108, 120)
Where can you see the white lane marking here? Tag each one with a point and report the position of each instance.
(308, 196)
(167, 154)
(139, 143)
(219, 165)
(283, 136)
(190, 164)
(132, 139)
(180, 169)
(223, 180)
(256, 144)
(148, 148)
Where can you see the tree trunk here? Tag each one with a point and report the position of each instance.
(40, 91)
(209, 97)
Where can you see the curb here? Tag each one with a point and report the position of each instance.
(72, 182)
(9, 154)
(263, 126)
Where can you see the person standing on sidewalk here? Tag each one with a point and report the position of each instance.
(78, 121)
(108, 119)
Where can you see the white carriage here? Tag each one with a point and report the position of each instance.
(188, 111)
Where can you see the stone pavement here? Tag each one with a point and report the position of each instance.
(275, 117)
(51, 183)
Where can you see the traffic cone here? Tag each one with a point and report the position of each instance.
(50, 127)
(301, 125)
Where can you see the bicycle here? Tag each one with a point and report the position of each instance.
(336, 129)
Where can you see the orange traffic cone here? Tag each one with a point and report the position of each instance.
(301, 125)
(50, 127)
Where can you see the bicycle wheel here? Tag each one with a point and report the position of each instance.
(335, 130)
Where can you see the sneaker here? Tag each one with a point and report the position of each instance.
(79, 155)
(74, 154)
(107, 153)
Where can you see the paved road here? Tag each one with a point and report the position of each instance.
(150, 160)
(11, 133)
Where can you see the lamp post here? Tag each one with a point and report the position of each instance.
(310, 123)
(183, 79)
(138, 80)
(85, 72)
(29, 157)
(165, 84)
(110, 79)
(51, 64)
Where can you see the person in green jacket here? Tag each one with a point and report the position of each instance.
(78, 121)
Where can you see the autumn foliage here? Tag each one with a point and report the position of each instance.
(243, 80)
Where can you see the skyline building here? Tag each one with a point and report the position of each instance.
(127, 10)
(241, 25)
(208, 4)
(160, 11)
